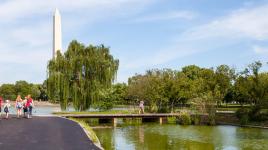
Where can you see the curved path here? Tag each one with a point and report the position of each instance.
(43, 133)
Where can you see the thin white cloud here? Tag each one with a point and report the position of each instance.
(172, 15)
(260, 50)
(15, 9)
(236, 27)
(244, 23)
(26, 30)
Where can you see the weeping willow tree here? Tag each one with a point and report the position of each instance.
(80, 74)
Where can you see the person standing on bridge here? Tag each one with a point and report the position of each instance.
(141, 106)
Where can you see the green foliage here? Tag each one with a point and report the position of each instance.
(8, 91)
(80, 74)
(23, 88)
(243, 115)
(154, 88)
(119, 91)
(106, 99)
(162, 90)
(184, 118)
(171, 119)
(196, 119)
(205, 105)
(204, 89)
(244, 120)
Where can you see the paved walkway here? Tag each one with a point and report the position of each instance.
(43, 133)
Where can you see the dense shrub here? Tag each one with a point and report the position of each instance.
(171, 119)
(243, 115)
(184, 118)
(241, 112)
(244, 120)
(211, 120)
(256, 115)
(196, 120)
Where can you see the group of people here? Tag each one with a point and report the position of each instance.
(26, 105)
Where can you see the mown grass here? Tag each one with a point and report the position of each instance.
(227, 109)
(90, 133)
(96, 112)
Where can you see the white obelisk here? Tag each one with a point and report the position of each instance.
(56, 33)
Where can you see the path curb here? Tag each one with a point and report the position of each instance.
(85, 131)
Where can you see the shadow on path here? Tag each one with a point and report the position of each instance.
(43, 133)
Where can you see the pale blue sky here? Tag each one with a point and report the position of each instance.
(142, 34)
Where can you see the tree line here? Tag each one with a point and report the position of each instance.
(23, 88)
(203, 89)
(162, 89)
(84, 76)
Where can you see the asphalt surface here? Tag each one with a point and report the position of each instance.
(43, 133)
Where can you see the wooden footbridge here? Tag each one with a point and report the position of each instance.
(161, 118)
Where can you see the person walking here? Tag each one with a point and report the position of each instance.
(18, 106)
(29, 105)
(6, 108)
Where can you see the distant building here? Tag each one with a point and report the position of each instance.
(57, 43)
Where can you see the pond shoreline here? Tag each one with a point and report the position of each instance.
(175, 136)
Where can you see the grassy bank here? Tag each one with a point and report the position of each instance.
(89, 131)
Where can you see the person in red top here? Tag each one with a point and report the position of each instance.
(1, 100)
(29, 105)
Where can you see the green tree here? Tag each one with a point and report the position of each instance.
(8, 91)
(79, 74)
(225, 76)
(119, 92)
(23, 88)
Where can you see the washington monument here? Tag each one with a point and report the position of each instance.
(56, 33)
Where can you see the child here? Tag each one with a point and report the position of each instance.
(18, 106)
(6, 108)
(24, 107)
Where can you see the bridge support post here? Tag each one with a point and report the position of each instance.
(162, 120)
(114, 122)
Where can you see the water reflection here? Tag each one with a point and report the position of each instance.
(176, 137)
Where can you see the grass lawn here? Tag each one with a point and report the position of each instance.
(97, 112)
(227, 109)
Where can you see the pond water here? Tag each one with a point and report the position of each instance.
(43, 110)
(48, 110)
(154, 136)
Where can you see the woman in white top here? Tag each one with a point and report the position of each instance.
(141, 110)
(6, 108)
(19, 105)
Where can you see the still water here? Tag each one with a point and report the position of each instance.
(176, 137)
(43, 110)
